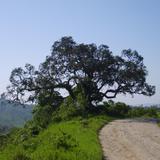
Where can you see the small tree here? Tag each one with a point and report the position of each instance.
(93, 68)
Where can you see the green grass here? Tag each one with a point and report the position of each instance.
(71, 140)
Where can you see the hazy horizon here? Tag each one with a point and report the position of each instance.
(29, 28)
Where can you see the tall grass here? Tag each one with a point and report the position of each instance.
(72, 140)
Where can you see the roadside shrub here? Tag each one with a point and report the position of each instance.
(116, 109)
(152, 112)
(144, 112)
(20, 155)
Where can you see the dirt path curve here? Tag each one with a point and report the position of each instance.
(131, 140)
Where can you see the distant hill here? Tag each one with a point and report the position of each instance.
(13, 114)
(149, 105)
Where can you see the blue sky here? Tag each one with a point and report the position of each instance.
(28, 28)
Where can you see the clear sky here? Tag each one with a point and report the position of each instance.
(28, 28)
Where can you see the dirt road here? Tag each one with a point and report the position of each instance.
(131, 140)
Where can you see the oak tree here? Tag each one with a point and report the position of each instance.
(94, 69)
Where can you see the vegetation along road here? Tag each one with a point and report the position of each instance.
(131, 140)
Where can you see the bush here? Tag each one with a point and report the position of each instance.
(3, 141)
(65, 141)
(66, 111)
(70, 108)
(116, 109)
(43, 115)
(143, 112)
(20, 155)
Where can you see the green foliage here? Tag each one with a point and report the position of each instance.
(144, 112)
(3, 141)
(66, 111)
(70, 108)
(74, 137)
(98, 72)
(20, 155)
(49, 97)
(65, 141)
(70, 140)
(81, 103)
(43, 115)
(117, 109)
(120, 109)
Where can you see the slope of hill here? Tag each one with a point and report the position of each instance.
(67, 140)
(13, 115)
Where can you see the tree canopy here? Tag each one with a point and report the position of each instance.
(94, 69)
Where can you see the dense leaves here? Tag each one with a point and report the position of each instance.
(94, 69)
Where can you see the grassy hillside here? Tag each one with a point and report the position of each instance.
(68, 133)
(72, 140)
